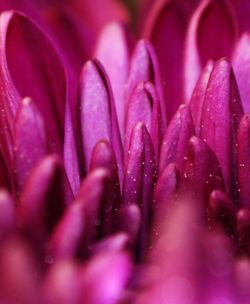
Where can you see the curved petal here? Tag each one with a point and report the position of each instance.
(241, 8)
(222, 111)
(202, 172)
(197, 100)
(116, 62)
(243, 161)
(166, 28)
(222, 211)
(97, 113)
(104, 277)
(45, 195)
(144, 67)
(175, 141)
(30, 140)
(166, 189)
(212, 34)
(7, 213)
(139, 178)
(61, 283)
(144, 107)
(36, 72)
(241, 65)
(129, 221)
(81, 223)
(103, 157)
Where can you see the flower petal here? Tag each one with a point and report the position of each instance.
(104, 278)
(66, 237)
(36, 72)
(19, 273)
(144, 107)
(241, 65)
(145, 68)
(80, 224)
(241, 9)
(202, 172)
(175, 141)
(222, 111)
(103, 157)
(139, 178)
(197, 100)
(166, 28)
(223, 211)
(243, 228)
(115, 243)
(70, 152)
(166, 189)
(174, 258)
(61, 283)
(129, 221)
(7, 213)
(243, 148)
(70, 32)
(212, 34)
(30, 140)
(97, 113)
(242, 270)
(45, 195)
(97, 18)
(116, 62)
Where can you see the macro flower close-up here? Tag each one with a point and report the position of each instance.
(125, 152)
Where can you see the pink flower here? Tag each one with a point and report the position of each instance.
(124, 152)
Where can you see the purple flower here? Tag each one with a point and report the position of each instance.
(124, 152)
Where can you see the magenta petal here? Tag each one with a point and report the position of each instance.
(30, 140)
(36, 72)
(174, 257)
(243, 159)
(218, 273)
(223, 211)
(116, 62)
(103, 157)
(197, 100)
(139, 177)
(166, 28)
(98, 13)
(104, 277)
(202, 172)
(241, 65)
(222, 111)
(45, 195)
(18, 273)
(61, 283)
(115, 243)
(68, 233)
(144, 107)
(70, 152)
(92, 197)
(78, 226)
(242, 273)
(129, 221)
(72, 35)
(212, 34)
(241, 9)
(166, 189)
(243, 228)
(145, 68)
(97, 112)
(7, 213)
(175, 141)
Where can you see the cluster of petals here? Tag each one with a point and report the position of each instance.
(125, 152)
